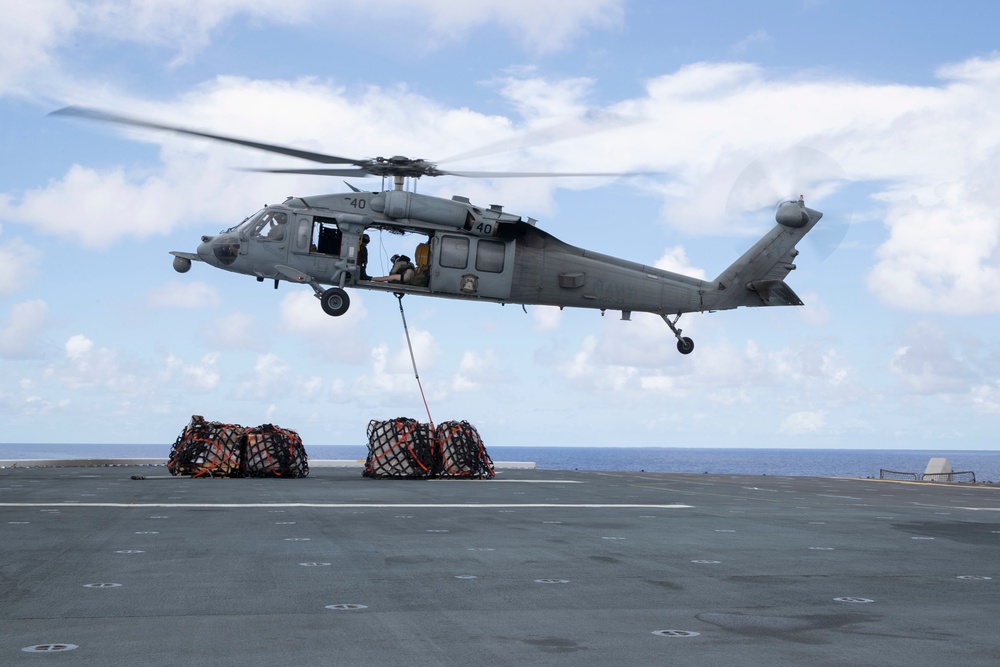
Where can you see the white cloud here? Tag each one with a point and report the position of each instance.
(19, 337)
(200, 377)
(547, 318)
(176, 294)
(803, 423)
(426, 352)
(816, 312)
(753, 39)
(88, 367)
(29, 35)
(477, 368)
(675, 259)
(587, 368)
(928, 362)
(34, 35)
(184, 25)
(341, 338)
(541, 26)
(234, 331)
(17, 264)
(944, 250)
(640, 358)
(391, 374)
(270, 379)
(986, 398)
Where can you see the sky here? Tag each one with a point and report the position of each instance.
(881, 114)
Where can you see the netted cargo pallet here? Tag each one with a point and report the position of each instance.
(400, 449)
(274, 452)
(207, 449)
(461, 451)
(214, 449)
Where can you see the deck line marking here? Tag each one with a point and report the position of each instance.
(518, 481)
(359, 505)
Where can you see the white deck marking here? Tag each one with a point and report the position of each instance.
(358, 505)
(518, 481)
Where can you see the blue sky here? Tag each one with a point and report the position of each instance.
(896, 347)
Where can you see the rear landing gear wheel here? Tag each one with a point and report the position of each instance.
(335, 301)
(685, 345)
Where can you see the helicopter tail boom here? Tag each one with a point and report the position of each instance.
(757, 278)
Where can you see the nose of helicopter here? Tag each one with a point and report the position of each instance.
(205, 247)
(221, 250)
(205, 250)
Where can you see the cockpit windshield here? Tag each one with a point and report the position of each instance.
(246, 220)
(266, 224)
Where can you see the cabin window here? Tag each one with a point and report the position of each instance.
(303, 234)
(327, 237)
(454, 252)
(489, 256)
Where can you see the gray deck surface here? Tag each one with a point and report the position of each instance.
(535, 568)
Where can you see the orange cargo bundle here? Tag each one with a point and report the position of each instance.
(215, 449)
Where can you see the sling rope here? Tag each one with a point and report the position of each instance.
(413, 360)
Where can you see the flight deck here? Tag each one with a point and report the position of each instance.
(533, 567)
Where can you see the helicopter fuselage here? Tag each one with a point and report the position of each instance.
(478, 253)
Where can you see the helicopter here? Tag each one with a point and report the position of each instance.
(467, 251)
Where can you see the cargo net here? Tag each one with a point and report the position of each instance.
(274, 452)
(207, 449)
(399, 448)
(406, 449)
(461, 451)
(214, 449)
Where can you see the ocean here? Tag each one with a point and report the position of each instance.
(778, 462)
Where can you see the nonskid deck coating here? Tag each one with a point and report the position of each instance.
(536, 567)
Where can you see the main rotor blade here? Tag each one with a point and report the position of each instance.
(463, 174)
(571, 129)
(542, 174)
(358, 172)
(103, 116)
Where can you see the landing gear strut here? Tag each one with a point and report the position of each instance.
(684, 344)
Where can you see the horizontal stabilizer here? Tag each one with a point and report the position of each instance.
(775, 293)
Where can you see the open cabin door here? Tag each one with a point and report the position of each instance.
(319, 242)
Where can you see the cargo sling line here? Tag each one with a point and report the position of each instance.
(413, 360)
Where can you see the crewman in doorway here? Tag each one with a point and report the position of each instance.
(363, 258)
(402, 271)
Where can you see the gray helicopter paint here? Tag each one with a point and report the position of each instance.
(550, 272)
(534, 266)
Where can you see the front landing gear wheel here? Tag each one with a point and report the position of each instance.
(335, 301)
